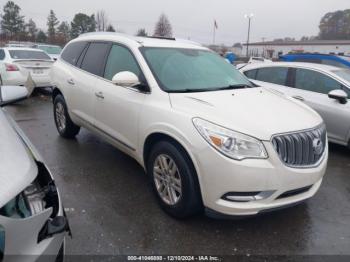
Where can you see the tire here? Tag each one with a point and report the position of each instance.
(60, 255)
(65, 126)
(177, 192)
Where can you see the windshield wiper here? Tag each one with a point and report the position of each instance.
(230, 87)
(198, 90)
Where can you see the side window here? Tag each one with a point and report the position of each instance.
(72, 52)
(314, 81)
(121, 59)
(94, 58)
(2, 54)
(333, 63)
(275, 75)
(251, 74)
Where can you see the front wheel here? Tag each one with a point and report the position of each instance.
(174, 180)
(65, 126)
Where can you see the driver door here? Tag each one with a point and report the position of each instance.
(117, 108)
(312, 87)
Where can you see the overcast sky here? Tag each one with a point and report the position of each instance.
(194, 19)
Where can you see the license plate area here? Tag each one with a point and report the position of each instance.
(38, 71)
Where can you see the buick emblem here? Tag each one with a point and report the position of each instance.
(317, 145)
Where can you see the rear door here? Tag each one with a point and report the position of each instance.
(313, 87)
(87, 60)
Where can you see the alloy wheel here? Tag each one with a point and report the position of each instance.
(60, 116)
(167, 179)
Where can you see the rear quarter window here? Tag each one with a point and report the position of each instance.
(73, 51)
(251, 73)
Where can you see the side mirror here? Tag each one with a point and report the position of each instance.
(126, 79)
(12, 94)
(339, 95)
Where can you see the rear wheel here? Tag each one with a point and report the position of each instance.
(174, 180)
(60, 255)
(65, 126)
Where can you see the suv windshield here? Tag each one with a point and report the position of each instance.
(192, 70)
(28, 54)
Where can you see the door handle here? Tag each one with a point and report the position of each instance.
(299, 98)
(99, 95)
(71, 82)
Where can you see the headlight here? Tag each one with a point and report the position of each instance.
(230, 143)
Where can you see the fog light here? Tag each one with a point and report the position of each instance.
(244, 197)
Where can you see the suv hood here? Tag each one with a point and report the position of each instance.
(258, 112)
(17, 166)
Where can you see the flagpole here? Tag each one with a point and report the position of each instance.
(214, 33)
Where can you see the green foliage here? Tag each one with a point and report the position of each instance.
(335, 26)
(31, 29)
(141, 32)
(82, 23)
(41, 37)
(52, 23)
(12, 22)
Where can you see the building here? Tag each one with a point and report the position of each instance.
(275, 48)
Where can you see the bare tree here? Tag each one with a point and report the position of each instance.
(163, 27)
(101, 21)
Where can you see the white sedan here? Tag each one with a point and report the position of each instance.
(17, 63)
(324, 88)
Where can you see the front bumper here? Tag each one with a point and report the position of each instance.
(21, 238)
(219, 175)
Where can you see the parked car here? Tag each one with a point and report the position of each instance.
(17, 63)
(333, 60)
(204, 134)
(253, 60)
(324, 88)
(32, 219)
(53, 51)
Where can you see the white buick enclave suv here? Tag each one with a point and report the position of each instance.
(206, 136)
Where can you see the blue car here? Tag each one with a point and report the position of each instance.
(334, 60)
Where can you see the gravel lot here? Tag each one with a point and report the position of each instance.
(112, 210)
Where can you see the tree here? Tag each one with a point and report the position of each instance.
(101, 21)
(12, 22)
(32, 30)
(110, 28)
(41, 37)
(335, 25)
(63, 33)
(141, 32)
(163, 27)
(52, 23)
(82, 23)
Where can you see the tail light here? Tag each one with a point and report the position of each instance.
(11, 67)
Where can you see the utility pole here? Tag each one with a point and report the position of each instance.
(249, 17)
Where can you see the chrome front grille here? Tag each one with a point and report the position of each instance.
(301, 149)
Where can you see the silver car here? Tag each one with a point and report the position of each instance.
(324, 88)
(32, 219)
